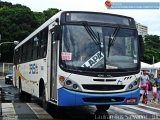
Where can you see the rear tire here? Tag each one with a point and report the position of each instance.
(23, 96)
(102, 107)
(44, 102)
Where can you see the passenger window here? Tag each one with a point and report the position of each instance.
(43, 46)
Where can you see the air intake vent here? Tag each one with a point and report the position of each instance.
(104, 99)
(99, 80)
(103, 87)
(104, 80)
(109, 80)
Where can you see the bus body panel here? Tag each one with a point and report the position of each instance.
(73, 98)
(81, 80)
(31, 72)
(67, 97)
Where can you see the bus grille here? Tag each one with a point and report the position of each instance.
(103, 87)
(105, 80)
(104, 99)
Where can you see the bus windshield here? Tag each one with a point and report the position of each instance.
(114, 48)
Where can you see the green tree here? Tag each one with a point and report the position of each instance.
(16, 22)
(50, 12)
(40, 18)
(151, 44)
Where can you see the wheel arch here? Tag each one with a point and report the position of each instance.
(19, 82)
(41, 87)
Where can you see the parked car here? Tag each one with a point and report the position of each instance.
(9, 78)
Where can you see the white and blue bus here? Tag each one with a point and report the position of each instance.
(81, 58)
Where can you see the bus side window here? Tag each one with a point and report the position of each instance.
(21, 59)
(24, 53)
(39, 36)
(29, 50)
(43, 46)
(16, 56)
(20, 55)
(35, 47)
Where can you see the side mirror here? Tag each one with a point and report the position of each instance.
(141, 42)
(16, 42)
(57, 32)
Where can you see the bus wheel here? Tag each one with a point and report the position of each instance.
(23, 96)
(44, 102)
(102, 107)
(28, 97)
(21, 93)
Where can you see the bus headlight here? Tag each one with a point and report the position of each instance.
(130, 86)
(72, 85)
(68, 82)
(75, 86)
(133, 85)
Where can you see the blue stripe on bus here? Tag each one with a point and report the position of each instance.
(73, 98)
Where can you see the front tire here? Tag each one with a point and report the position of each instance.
(102, 107)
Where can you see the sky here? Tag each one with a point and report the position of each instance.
(147, 17)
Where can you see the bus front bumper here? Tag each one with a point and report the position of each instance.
(74, 98)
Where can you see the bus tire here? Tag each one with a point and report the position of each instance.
(23, 96)
(28, 97)
(102, 107)
(44, 102)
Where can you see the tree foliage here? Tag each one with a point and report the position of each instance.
(49, 13)
(16, 23)
(152, 49)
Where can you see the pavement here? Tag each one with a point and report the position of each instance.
(2, 77)
(150, 102)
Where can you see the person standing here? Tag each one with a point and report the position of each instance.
(154, 92)
(158, 87)
(144, 80)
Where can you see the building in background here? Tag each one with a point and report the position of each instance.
(5, 68)
(142, 29)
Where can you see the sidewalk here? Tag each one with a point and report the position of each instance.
(2, 77)
(149, 103)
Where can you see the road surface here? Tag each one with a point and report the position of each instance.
(11, 108)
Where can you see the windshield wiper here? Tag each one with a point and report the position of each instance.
(112, 39)
(92, 34)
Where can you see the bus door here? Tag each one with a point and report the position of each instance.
(53, 81)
